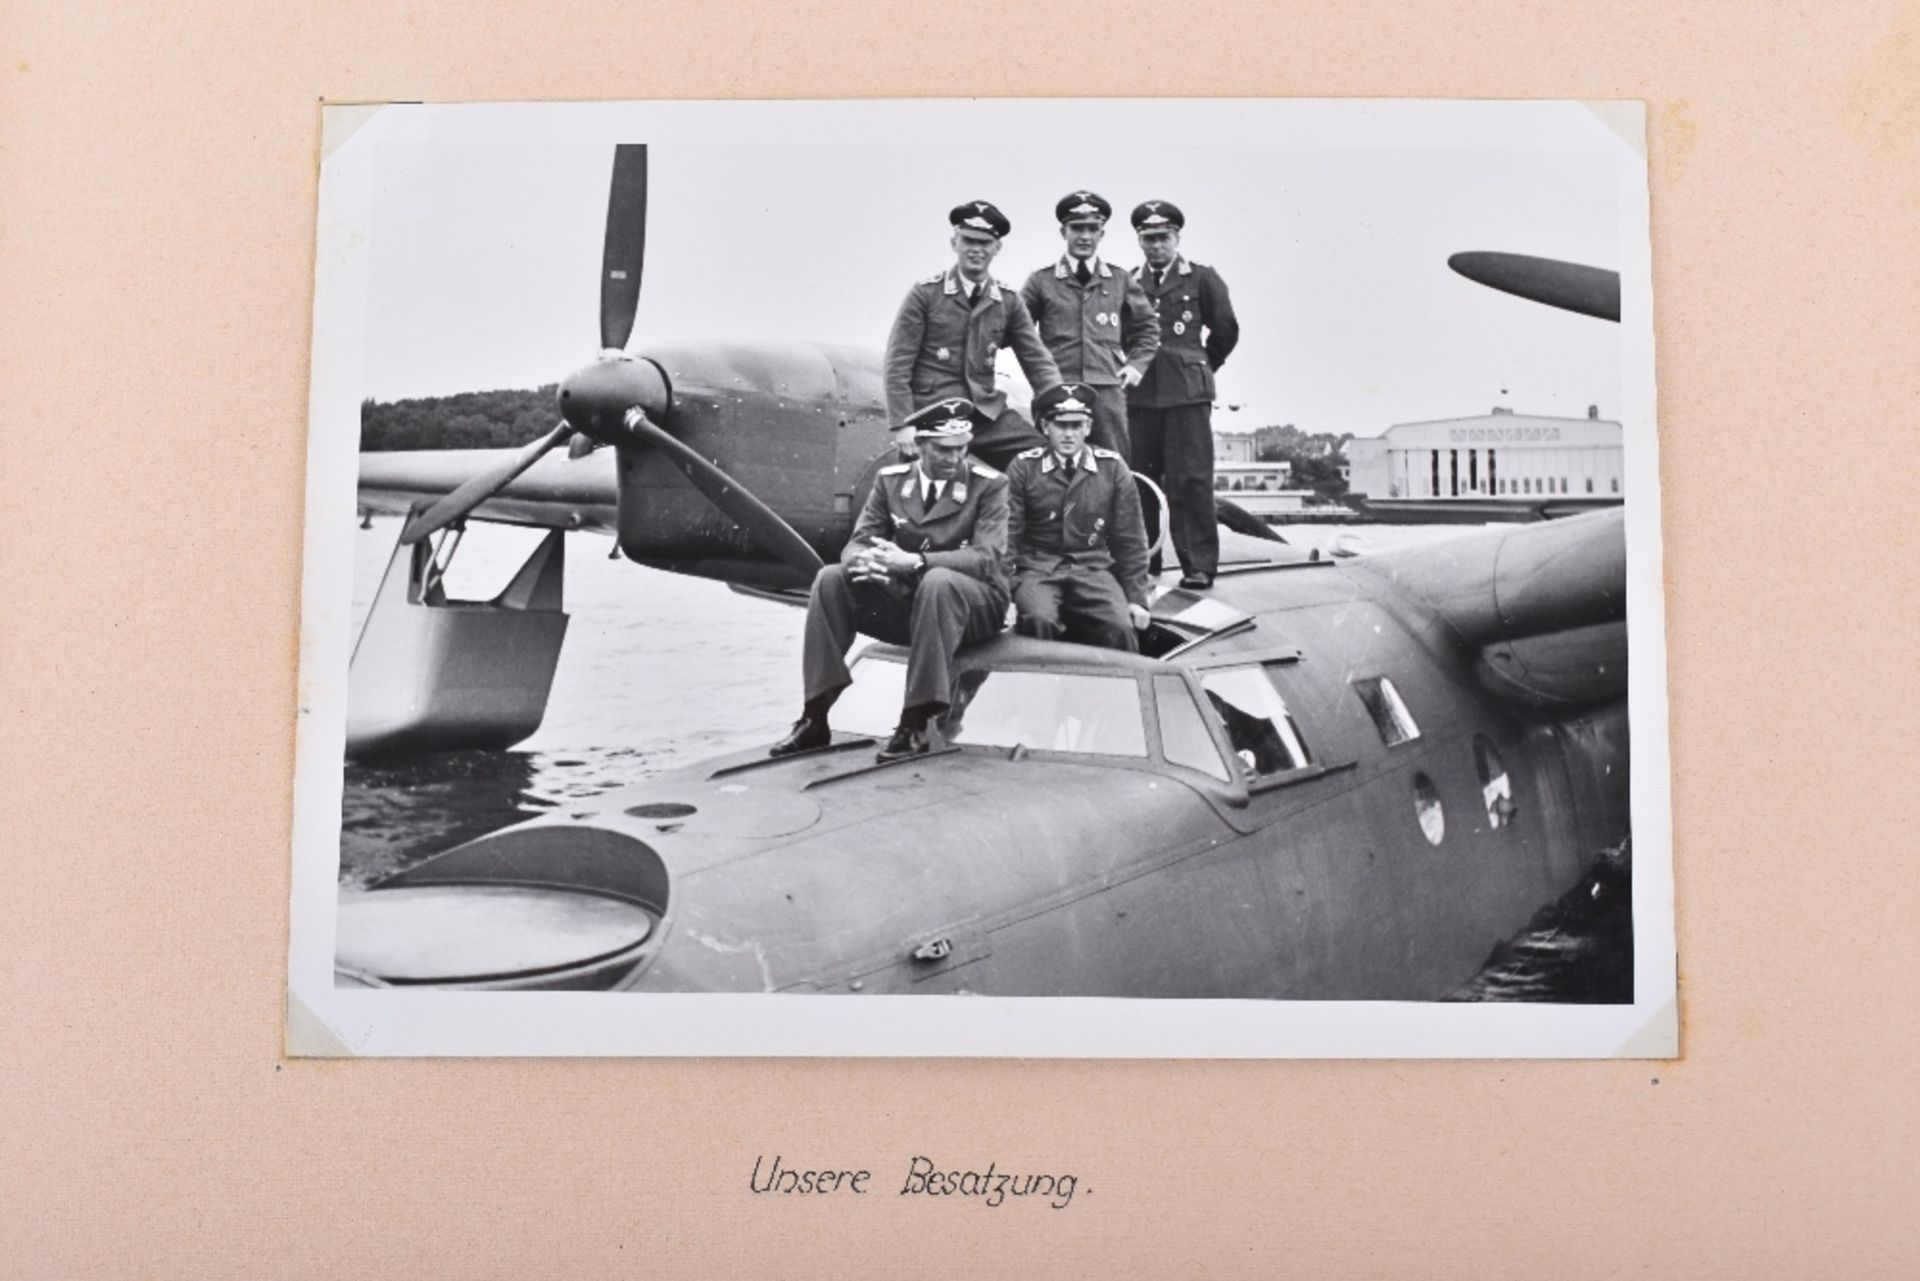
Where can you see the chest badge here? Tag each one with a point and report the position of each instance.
(943, 353)
(1179, 326)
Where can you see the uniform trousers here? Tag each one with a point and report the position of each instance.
(933, 618)
(997, 438)
(1174, 446)
(1110, 421)
(1074, 602)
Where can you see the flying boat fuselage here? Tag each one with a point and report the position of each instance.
(1315, 792)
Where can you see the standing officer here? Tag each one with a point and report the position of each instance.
(951, 327)
(925, 568)
(1098, 324)
(1172, 408)
(1079, 544)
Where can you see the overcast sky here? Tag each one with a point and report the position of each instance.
(1330, 222)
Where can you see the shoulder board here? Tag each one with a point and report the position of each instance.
(1100, 453)
(896, 469)
(1035, 452)
(934, 279)
(981, 469)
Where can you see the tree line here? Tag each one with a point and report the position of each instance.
(470, 420)
(1316, 456)
(506, 419)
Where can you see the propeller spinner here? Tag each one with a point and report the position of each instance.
(622, 399)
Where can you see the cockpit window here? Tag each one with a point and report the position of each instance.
(1263, 734)
(1048, 711)
(1389, 712)
(1183, 735)
(1195, 612)
(1043, 711)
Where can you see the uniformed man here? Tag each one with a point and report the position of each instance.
(1073, 521)
(1096, 321)
(951, 327)
(1171, 411)
(925, 567)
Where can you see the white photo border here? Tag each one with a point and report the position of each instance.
(328, 1020)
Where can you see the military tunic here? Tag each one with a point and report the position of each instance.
(1171, 411)
(940, 346)
(960, 598)
(1094, 331)
(1079, 547)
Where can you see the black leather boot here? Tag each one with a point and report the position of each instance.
(907, 741)
(809, 732)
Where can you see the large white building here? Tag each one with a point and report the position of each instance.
(1234, 447)
(1491, 460)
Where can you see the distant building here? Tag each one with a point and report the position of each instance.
(1493, 461)
(1238, 477)
(1234, 447)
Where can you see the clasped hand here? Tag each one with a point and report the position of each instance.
(882, 560)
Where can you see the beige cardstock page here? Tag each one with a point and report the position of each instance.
(160, 186)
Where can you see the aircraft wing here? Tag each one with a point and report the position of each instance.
(1544, 604)
(557, 492)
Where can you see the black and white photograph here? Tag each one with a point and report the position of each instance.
(1041, 578)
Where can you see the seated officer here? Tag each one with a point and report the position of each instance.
(925, 568)
(1079, 544)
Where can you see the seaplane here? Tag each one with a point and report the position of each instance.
(1326, 777)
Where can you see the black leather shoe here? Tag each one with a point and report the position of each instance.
(1196, 582)
(807, 733)
(904, 743)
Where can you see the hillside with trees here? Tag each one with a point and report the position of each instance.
(470, 420)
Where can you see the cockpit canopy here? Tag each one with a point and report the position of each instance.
(1230, 722)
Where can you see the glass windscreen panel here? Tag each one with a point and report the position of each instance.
(1047, 711)
(1265, 738)
(1043, 711)
(1197, 612)
(1184, 739)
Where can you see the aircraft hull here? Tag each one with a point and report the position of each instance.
(972, 873)
(1378, 867)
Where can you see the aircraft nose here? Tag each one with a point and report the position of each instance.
(595, 399)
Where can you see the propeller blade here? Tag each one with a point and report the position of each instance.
(732, 498)
(626, 251)
(477, 490)
(1591, 291)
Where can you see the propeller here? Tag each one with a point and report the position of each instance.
(620, 398)
(478, 489)
(626, 248)
(1591, 291)
(622, 258)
